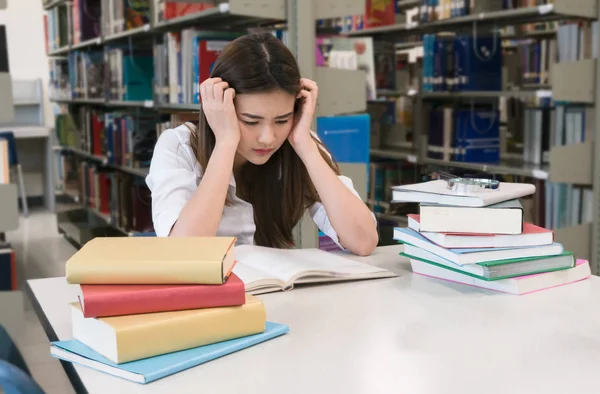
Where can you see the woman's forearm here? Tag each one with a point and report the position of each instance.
(202, 213)
(349, 216)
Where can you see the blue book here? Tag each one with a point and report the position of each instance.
(154, 368)
(478, 135)
(348, 137)
(414, 242)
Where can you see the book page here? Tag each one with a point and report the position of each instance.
(290, 264)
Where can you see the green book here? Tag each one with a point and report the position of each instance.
(500, 269)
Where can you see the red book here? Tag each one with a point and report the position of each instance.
(175, 10)
(118, 300)
(380, 13)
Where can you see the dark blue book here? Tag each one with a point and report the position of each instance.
(482, 63)
(154, 368)
(478, 135)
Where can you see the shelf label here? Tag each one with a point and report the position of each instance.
(540, 174)
(148, 103)
(545, 9)
(147, 27)
(412, 92)
(412, 158)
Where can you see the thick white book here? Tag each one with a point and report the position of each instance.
(414, 240)
(532, 235)
(437, 192)
(265, 270)
(502, 218)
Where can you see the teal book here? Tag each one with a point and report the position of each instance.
(154, 368)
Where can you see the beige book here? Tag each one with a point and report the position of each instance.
(134, 337)
(153, 260)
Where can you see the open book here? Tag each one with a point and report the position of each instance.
(265, 270)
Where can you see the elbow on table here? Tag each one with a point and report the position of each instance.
(367, 244)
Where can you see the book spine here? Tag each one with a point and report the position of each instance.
(165, 299)
(178, 331)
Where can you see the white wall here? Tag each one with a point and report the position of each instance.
(26, 48)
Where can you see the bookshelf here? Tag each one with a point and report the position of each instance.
(571, 84)
(342, 92)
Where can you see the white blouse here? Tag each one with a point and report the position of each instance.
(174, 176)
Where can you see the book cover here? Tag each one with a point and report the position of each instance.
(437, 192)
(414, 240)
(518, 286)
(157, 260)
(151, 369)
(118, 338)
(379, 13)
(119, 300)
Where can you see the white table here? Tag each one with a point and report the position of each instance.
(409, 334)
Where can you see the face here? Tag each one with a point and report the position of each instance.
(265, 121)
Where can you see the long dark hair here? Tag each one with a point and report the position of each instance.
(280, 190)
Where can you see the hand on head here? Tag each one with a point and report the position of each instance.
(217, 105)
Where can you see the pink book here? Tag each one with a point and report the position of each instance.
(117, 300)
(532, 235)
(519, 286)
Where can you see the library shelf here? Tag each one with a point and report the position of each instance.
(494, 19)
(408, 45)
(531, 34)
(381, 204)
(401, 220)
(396, 93)
(60, 51)
(130, 104)
(395, 153)
(137, 31)
(103, 160)
(404, 4)
(81, 224)
(177, 107)
(53, 3)
(233, 14)
(523, 94)
(507, 167)
(97, 101)
(87, 43)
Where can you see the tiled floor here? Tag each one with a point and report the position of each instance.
(41, 253)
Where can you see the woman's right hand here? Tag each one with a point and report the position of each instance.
(217, 105)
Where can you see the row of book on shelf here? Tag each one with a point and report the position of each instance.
(145, 324)
(71, 23)
(475, 63)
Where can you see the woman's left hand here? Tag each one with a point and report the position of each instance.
(300, 137)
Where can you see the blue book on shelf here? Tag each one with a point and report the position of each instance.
(154, 368)
(478, 136)
(137, 78)
(348, 137)
(482, 63)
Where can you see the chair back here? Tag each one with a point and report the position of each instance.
(15, 377)
(12, 147)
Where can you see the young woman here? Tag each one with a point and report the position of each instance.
(252, 166)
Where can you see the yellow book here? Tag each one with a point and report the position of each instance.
(134, 337)
(153, 260)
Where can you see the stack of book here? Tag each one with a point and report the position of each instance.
(479, 238)
(151, 307)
